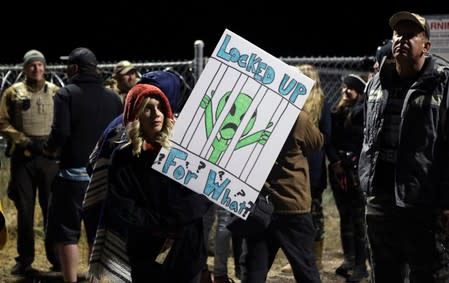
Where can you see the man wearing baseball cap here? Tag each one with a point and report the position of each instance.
(83, 109)
(124, 77)
(82, 57)
(404, 163)
(410, 17)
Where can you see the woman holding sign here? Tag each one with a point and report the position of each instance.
(163, 220)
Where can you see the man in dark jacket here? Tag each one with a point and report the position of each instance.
(403, 165)
(82, 110)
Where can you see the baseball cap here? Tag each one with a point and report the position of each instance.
(407, 16)
(123, 67)
(81, 56)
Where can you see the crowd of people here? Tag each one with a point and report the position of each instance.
(85, 152)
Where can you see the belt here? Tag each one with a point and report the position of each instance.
(344, 153)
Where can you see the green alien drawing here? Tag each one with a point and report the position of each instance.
(231, 123)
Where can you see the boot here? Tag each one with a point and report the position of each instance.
(205, 277)
(223, 279)
(348, 246)
(318, 252)
(361, 253)
(345, 268)
(358, 274)
(287, 268)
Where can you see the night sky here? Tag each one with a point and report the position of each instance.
(153, 31)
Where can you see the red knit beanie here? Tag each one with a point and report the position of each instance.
(137, 95)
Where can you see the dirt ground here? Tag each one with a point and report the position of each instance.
(332, 255)
(331, 259)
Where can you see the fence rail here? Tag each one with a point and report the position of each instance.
(331, 70)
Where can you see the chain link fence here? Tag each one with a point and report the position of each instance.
(57, 75)
(331, 69)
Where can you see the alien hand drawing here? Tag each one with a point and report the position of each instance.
(230, 124)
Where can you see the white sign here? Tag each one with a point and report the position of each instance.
(232, 128)
(439, 34)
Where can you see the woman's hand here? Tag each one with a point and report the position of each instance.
(340, 174)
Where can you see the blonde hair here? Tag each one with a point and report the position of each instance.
(314, 102)
(342, 102)
(135, 134)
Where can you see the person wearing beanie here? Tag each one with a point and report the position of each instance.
(124, 77)
(353, 82)
(115, 137)
(112, 137)
(404, 162)
(33, 55)
(343, 153)
(26, 115)
(150, 209)
(83, 108)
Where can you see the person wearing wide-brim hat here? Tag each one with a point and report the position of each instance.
(124, 77)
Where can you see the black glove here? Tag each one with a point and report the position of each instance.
(35, 147)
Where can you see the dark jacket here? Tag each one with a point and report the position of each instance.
(145, 198)
(422, 169)
(347, 131)
(150, 207)
(83, 109)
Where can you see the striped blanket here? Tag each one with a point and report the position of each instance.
(108, 261)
